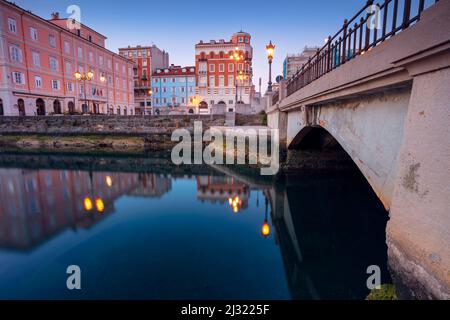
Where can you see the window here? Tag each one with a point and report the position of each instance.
(230, 102)
(36, 58)
(183, 100)
(16, 53)
(144, 62)
(230, 81)
(241, 39)
(164, 100)
(18, 78)
(117, 66)
(221, 67)
(100, 60)
(109, 64)
(67, 47)
(173, 80)
(55, 84)
(33, 33)
(68, 67)
(156, 89)
(212, 68)
(80, 53)
(174, 90)
(91, 56)
(69, 86)
(221, 81)
(247, 40)
(156, 80)
(182, 89)
(212, 81)
(38, 82)
(231, 67)
(164, 80)
(164, 89)
(240, 66)
(52, 41)
(12, 25)
(53, 64)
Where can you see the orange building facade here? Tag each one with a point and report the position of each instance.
(38, 61)
(224, 73)
(146, 59)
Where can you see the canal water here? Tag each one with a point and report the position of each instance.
(141, 231)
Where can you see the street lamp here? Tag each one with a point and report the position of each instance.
(84, 77)
(237, 56)
(270, 50)
(103, 80)
(241, 77)
(150, 93)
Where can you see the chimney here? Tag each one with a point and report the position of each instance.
(55, 15)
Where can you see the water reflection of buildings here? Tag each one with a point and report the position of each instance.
(37, 204)
(152, 186)
(221, 189)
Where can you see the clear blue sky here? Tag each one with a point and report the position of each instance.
(177, 25)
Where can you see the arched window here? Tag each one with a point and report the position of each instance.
(202, 55)
(221, 54)
(211, 55)
(21, 107)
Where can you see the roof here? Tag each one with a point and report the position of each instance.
(174, 71)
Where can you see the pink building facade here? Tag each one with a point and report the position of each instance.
(38, 60)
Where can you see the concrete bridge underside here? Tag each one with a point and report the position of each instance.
(390, 111)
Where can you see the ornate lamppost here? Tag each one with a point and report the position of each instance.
(270, 50)
(103, 80)
(237, 56)
(84, 77)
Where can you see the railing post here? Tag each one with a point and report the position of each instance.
(406, 14)
(366, 47)
(385, 14)
(329, 54)
(344, 44)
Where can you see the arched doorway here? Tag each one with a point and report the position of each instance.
(222, 103)
(191, 111)
(1, 108)
(84, 108)
(57, 107)
(157, 112)
(71, 107)
(118, 110)
(125, 111)
(40, 107)
(203, 105)
(96, 108)
(21, 107)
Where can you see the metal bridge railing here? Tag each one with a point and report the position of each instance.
(373, 24)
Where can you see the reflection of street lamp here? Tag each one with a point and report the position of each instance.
(270, 51)
(89, 201)
(84, 77)
(235, 204)
(109, 181)
(265, 229)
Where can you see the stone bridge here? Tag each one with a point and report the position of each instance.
(387, 104)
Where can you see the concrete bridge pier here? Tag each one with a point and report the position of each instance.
(419, 230)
